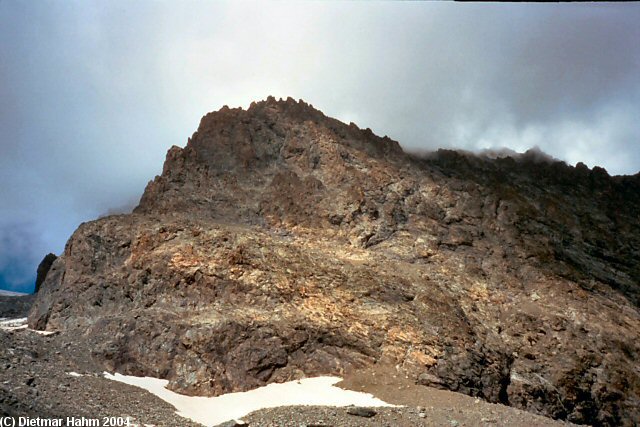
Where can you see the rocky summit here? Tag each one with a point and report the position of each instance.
(280, 243)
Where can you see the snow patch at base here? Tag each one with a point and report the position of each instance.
(11, 293)
(20, 323)
(43, 332)
(13, 324)
(211, 411)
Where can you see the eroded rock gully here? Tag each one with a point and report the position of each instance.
(281, 243)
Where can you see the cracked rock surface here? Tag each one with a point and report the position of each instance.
(280, 243)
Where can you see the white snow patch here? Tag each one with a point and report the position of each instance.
(21, 323)
(13, 324)
(74, 374)
(42, 332)
(11, 293)
(211, 411)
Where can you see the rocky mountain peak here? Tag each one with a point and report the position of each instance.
(279, 122)
(239, 157)
(281, 243)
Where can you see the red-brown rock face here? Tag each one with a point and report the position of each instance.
(281, 243)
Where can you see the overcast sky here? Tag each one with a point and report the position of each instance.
(92, 94)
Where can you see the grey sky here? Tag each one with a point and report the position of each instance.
(92, 94)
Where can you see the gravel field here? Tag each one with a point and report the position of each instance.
(36, 380)
(404, 416)
(39, 378)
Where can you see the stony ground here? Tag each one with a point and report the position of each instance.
(451, 415)
(417, 406)
(38, 380)
(35, 381)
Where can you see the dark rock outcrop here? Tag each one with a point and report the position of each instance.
(281, 243)
(43, 269)
(15, 306)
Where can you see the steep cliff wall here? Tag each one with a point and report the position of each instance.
(281, 243)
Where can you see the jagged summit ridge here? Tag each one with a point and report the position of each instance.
(279, 124)
(239, 158)
(285, 164)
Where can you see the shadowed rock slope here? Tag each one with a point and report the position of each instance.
(281, 243)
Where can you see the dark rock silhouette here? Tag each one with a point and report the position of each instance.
(280, 243)
(43, 269)
(15, 306)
